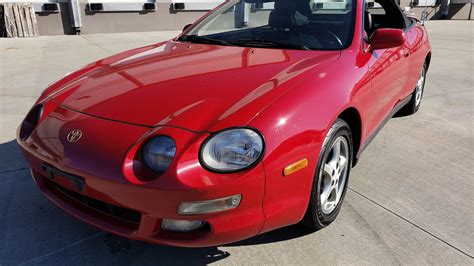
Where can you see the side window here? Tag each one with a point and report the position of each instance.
(375, 8)
(383, 14)
(374, 15)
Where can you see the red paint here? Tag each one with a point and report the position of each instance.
(186, 91)
(387, 38)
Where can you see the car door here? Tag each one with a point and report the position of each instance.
(415, 38)
(388, 67)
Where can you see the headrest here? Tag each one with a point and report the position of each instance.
(286, 19)
(368, 22)
(302, 6)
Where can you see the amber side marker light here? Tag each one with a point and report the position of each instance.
(293, 168)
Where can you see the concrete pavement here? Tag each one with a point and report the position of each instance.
(410, 198)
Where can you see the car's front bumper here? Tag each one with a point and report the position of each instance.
(139, 211)
(110, 202)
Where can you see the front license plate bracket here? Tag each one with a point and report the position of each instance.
(77, 181)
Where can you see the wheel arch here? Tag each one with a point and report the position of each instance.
(428, 60)
(353, 119)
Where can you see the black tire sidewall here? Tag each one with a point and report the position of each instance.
(319, 219)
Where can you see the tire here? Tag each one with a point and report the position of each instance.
(327, 194)
(414, 105)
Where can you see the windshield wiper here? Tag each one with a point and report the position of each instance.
(202, 39)
(243, 42)
(268, 43)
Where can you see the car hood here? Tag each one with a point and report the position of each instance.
(194, 86)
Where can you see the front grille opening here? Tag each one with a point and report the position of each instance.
(116, 215)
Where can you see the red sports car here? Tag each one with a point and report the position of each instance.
(250, 120)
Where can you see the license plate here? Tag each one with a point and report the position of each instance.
(65, 179)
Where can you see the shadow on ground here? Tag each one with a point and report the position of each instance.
(30, 222)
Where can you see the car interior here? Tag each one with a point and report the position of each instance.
(311, 24)
(300, 22)
(384, 14)
(296, 22)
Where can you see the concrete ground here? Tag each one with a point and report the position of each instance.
(410, 199)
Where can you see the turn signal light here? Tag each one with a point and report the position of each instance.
(210, 206)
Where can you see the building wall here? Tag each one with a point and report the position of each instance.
(162, 19)
(55, 23)
(461, 11)
(166, 18)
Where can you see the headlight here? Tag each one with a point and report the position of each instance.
(158, 153)
(31, 121)
(232, 150)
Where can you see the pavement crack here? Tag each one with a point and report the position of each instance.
(19, 96)
(412, 223)
(363, 221)
(14, 170)
(98, 45)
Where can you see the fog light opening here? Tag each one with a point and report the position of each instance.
(210, 206)
(185, 226)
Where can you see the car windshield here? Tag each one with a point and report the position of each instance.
(280, 24)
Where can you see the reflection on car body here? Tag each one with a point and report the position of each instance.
(248, 121)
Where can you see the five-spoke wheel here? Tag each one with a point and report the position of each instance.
(331, 177)
(334, 175)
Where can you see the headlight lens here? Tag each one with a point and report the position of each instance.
(232, 150)
(31, 121)
(158, 153)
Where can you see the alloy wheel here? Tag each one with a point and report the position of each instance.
(419, 87)
(333, 175)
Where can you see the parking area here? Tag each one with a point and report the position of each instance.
(410, 200)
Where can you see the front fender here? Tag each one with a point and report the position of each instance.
(295, 126)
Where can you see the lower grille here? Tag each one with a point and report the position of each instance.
(116, 215)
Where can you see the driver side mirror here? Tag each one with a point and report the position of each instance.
(387, 38)
(186, 27)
